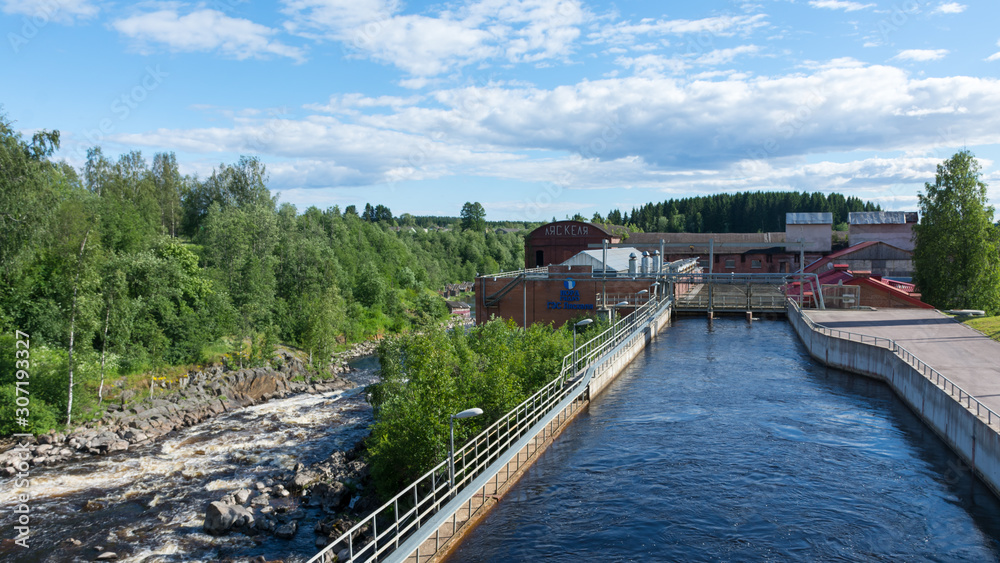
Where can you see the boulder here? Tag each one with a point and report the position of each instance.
(287, 531)
(302, 480)
(221, 518)
(242, 496)
(331, 496)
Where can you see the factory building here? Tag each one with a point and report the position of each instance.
(891, 227)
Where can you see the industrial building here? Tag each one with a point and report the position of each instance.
(573, 268)
(890, 227)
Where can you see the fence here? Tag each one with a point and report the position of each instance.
(933, 375)
(396, 522)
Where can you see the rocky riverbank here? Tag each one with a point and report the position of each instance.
(193, 398)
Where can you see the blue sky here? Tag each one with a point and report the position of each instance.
(536, 108)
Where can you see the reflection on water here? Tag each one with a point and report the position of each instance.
(731, 444)
(149, 504)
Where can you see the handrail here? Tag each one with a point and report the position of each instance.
(516, 273)
(938, 378)
(492, 300)
(393, 522)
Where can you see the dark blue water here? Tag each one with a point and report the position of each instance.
(730, 444)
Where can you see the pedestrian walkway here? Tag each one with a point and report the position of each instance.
(960, 353)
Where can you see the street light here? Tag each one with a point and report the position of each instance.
(655, 286)
(638, 293)
(467, 413)
(614, 321)
(584, 322)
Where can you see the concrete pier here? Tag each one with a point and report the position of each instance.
(965, 357)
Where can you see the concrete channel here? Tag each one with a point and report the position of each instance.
(887, 349)
(461, 515)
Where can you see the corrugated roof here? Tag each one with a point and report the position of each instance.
(808, 218)
(652, 240)
(617, 258)
(877, 217)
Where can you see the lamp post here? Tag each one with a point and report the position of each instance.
(584, 322)
(655, 286)
(467, 413)
(614, 321)
(638, 293)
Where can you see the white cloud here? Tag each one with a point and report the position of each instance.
(840, 5)
(517, 31)
(950, 8)
(351, 103)
(728, 25)
(206, 30)
(646, 131)
(921, 55)
(722, 56)
(653, 64)
(59, 11)
(994, 56)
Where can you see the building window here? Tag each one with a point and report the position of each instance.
(539, 258)
(755, 263)
(703, 263)
(730, 263)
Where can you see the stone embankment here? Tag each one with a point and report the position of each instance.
(192, 399)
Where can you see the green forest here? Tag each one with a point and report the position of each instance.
(744, 212)
(128, 270)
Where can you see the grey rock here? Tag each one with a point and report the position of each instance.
(287, 531)
(242, 496)
(107, 556)
(302, 480)
(221, 517)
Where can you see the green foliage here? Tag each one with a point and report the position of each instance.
(473, 217)
(426, 377)
(243, 276)
(957, 247)
(744, 212)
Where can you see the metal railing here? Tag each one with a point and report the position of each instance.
(381, 532)
(948, 386)
(516, 273)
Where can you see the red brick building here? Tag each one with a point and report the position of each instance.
(565, 293)
(557, 242)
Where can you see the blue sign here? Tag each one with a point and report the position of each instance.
(569, 297)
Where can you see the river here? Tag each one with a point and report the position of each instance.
(726, 442)
(148, 504)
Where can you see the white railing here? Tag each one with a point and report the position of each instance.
(381, 532)
(933, 375)
(516, 273)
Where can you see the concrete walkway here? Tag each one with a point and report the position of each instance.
(963, 355)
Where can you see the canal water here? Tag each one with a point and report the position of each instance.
(726, 442)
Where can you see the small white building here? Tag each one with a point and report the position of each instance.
(618, 260)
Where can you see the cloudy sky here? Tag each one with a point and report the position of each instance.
(536, 108)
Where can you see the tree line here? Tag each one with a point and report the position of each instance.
(743, 212)
(125, 268)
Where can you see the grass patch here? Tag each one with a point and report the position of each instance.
(990, 326)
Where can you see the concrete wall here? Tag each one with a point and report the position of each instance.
(966, 434)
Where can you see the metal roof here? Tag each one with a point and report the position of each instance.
(617, 258)
(877, 217)
(808, 218)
